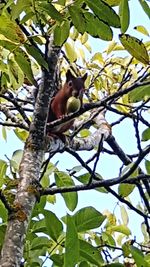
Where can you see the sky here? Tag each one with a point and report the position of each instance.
(107, 166)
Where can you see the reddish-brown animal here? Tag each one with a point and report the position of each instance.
(58, 106)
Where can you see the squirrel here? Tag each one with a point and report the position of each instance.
(72, 90)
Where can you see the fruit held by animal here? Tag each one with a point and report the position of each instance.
(73, 104)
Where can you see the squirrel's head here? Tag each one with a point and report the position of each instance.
(75, 85)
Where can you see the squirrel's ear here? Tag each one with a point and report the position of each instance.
(69, 75)
(84, 77)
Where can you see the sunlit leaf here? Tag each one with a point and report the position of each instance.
(11, 30)
(85, 133)
(124, 215)
(135, 47)
(21, 134)
(84, 38)
(142, 29)
(4, 133)
(70, 52)
(120, 228)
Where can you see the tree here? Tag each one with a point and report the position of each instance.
(38, 42)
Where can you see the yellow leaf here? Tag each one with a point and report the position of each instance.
(142, 29)
(70, 52)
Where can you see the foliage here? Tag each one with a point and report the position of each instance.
(83, 237)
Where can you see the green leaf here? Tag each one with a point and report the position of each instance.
(120, 228)
(135, 47)
(84, 264)
(19, 7)
(141, 29)
(90, 253)
(34, 52)
(3, 227)
(104, 12)
(3, 213)
(112, 2)
(16, 159)
(88, 218)
(54, 225)
(3, 168)
(147, 166)
(124, 215)
(97, 28)
(4, 133)
(10, 29)
(117, 264)
(24, 63)
(40, 242)
(145, 233)
(139, 94)
(8, 45)
(125, 190)
(84, 178)
(138, 257)
(58, 259)
(108, 239)
(16, 75)
(21, 134)
(146, 135)
(61, 33)
(50, 10)
(64, 180)
(27, 17)
(71, 244)
(77, 18)
(124, 13)
(39, 227)
(145, 7)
